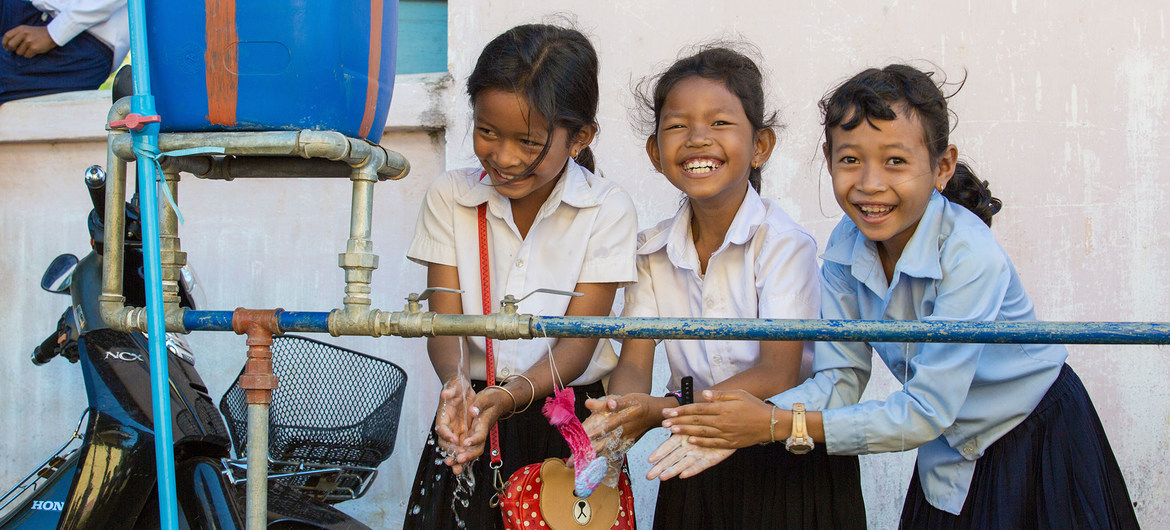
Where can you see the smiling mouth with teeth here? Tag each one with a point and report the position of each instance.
(507, 179)
(701, 165)
(874, 210)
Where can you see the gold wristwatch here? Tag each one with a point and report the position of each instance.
(799, 442)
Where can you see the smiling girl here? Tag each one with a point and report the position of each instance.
(1006, 434)
(544, 220)
(726, 253)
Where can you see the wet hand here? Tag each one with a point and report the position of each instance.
(675, 457)
(634, 414)
(615, 424)
(453, 418)
(486, 410)
(28, 41)
(730, 419)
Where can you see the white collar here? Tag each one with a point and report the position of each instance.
(676, 237)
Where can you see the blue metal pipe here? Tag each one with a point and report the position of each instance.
(855, 330)
(775, 329)
(146, 141)
(207, 320)
(289, 321)
(303, 321)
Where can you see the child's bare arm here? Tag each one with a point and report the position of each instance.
(453, 416)
(734, 419)
(444, 351)
(779, 370)
(572, 357)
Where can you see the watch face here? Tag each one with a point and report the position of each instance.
(799, 446)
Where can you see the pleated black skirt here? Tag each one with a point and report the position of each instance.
(1054, 470)
(766, 487)
(525, 438)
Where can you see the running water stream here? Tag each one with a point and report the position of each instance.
(465, 480)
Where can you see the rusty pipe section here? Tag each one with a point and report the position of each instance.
(259, 325)
(258, 382)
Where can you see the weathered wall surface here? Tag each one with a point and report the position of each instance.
(1063, 111)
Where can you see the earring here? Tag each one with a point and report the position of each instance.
(573, 153)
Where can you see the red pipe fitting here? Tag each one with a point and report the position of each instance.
(260, 325)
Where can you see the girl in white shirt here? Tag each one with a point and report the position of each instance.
(548, 222)
(1006, 434)
(726, 253)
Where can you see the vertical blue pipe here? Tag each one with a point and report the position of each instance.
(146, 141)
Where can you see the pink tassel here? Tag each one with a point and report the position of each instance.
(559, 409)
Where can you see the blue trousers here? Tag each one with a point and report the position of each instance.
(81, 64)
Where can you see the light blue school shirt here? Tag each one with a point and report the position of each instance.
(956, 399)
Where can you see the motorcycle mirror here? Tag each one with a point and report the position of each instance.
(59, 274)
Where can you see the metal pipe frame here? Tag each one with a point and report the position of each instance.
(368, 163)
(270, 154)
(505, 325)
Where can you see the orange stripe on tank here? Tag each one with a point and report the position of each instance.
(222, 59)
(374, 69)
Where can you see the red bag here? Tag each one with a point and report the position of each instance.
(541, 496)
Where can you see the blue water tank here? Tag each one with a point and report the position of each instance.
(260, 65)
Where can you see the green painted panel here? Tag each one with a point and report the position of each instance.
(422, 36)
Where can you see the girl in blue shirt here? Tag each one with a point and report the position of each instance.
(1006, 434)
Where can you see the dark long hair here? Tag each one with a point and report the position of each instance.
(734, 69)
(874, 93)
(553, 68)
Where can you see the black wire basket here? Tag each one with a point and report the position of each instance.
(333, 418)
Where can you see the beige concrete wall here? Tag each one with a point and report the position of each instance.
(1063, 111)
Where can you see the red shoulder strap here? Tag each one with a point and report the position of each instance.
(485, 281)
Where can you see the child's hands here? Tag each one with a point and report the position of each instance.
(676, 457)
(486, 410)
(453, 418)
(730, 419)
(633, 414)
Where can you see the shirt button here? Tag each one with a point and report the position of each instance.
(520, 264)
(505, 372)
(969, 449)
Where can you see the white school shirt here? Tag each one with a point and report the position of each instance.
(956, 399)
(765, 268)
(584, 233)
(108, 20)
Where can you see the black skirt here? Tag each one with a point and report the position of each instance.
(525, 438)
(766, 487)
(1053, 470)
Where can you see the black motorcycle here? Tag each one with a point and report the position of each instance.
(326, 439)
